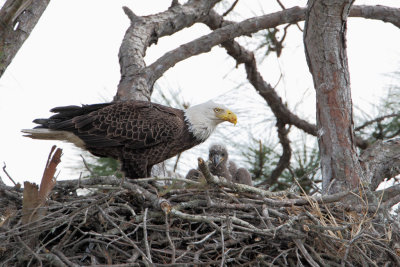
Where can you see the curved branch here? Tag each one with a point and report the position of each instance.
(230, 31)
(383, 13)
(145, 31)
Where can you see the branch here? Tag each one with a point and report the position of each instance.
(9, 176)
(379, 119)
(381, 161)
(284, 160)
(241, 55)
(231, 31)
(145, 31)
(17, 20)
(305, 253)
(383, 13)
(388, 193)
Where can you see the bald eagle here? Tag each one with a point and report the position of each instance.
(138, 133)
(221, 166)
(217, 163)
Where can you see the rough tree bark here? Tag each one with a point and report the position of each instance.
(325, 47)
(381, 160)
(17, 20)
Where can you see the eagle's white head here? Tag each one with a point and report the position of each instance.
(204, 118)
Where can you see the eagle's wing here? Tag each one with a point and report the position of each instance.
(132, 124)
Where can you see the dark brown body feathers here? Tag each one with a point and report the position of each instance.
(140, 134)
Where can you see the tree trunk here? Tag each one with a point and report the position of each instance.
(325, 47)
(17, 20)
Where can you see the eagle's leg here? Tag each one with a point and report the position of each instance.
(133, 169)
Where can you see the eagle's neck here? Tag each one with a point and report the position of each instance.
(199, 125)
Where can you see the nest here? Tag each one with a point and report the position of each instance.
(169, 222)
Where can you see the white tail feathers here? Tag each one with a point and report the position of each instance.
(47, 134)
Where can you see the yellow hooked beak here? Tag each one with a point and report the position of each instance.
(228, 116)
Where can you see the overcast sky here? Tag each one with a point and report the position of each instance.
(71, 58)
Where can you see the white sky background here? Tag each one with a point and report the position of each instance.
(71, 57)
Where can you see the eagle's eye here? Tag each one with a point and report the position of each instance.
(217, 110)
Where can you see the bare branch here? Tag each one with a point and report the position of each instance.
(378, 12)
(231, 31)
(305, 253)
(146, 241)
(381, 161)
(284, 160)
(145, 31)
(231, 8)
(9, 177)
(228, 32)
(132, 16)
(126, 238)
(379, 119)
(171, 243)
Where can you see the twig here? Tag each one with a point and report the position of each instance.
(305, 253)
(367, 257)
(64, 258)
(123, 233)
(231, 8)
(222, 248)
(132, 16)
(146, 241)
(87, 166)
(9, 177)
(204, 239)
(171, 243)
(177, 161)
(54, 260)
(30, 250)
(266, 216)
(381, 118)
(167, 179)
